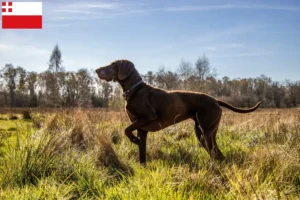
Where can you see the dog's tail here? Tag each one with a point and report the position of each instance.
(239, 110)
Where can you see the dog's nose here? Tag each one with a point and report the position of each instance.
(101, 72)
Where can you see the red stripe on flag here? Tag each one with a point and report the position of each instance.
(22, 22)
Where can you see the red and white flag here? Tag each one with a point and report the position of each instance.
(22, 15)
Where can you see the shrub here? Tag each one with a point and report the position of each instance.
(26, 115)
(12, 129)
(13, 117)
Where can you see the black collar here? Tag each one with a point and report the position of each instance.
(131, 89)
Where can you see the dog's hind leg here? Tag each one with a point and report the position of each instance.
(206, 127)
(200, 134)
(215, 151)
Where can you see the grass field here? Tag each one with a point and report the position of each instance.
(83, 154)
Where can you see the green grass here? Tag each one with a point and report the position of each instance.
(85, 155)
(13, 125)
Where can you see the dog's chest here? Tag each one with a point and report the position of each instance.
(136, 108)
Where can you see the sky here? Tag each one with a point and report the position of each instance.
(241, 39)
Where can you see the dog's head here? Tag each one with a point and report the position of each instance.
(116, 71)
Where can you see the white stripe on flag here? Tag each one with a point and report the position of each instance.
(24, 8)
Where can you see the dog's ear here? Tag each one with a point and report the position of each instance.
(125, 69)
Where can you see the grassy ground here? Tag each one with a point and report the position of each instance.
(79, 154)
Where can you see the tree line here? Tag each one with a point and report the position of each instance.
(56, 87)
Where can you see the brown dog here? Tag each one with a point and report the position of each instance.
(151, 109)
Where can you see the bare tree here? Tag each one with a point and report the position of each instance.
(278, 94)
(50, 95)
(167, 79)
(293, 93)
(22, 78)
(106, 92)
(31, 80)
(117, 99)
(84, 89)
(71, 92)
(202, 68)
(149, 77)
(53, 78)
(185, 69)
(9, 73)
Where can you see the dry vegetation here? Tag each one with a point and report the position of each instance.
(71, 154)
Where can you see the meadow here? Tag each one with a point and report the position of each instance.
(84, 154)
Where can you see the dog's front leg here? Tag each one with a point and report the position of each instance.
(134, 126)
(142, 146)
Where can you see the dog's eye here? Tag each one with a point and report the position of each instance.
(114, 64)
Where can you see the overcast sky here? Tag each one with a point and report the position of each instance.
(240, 38)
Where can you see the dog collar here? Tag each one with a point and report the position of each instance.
(126, 93)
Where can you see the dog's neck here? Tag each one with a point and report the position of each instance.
(129, 82)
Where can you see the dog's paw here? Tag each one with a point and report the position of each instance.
(135, 140)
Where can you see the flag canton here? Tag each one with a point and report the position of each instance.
(6, 7)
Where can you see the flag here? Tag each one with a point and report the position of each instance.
(22, 15)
